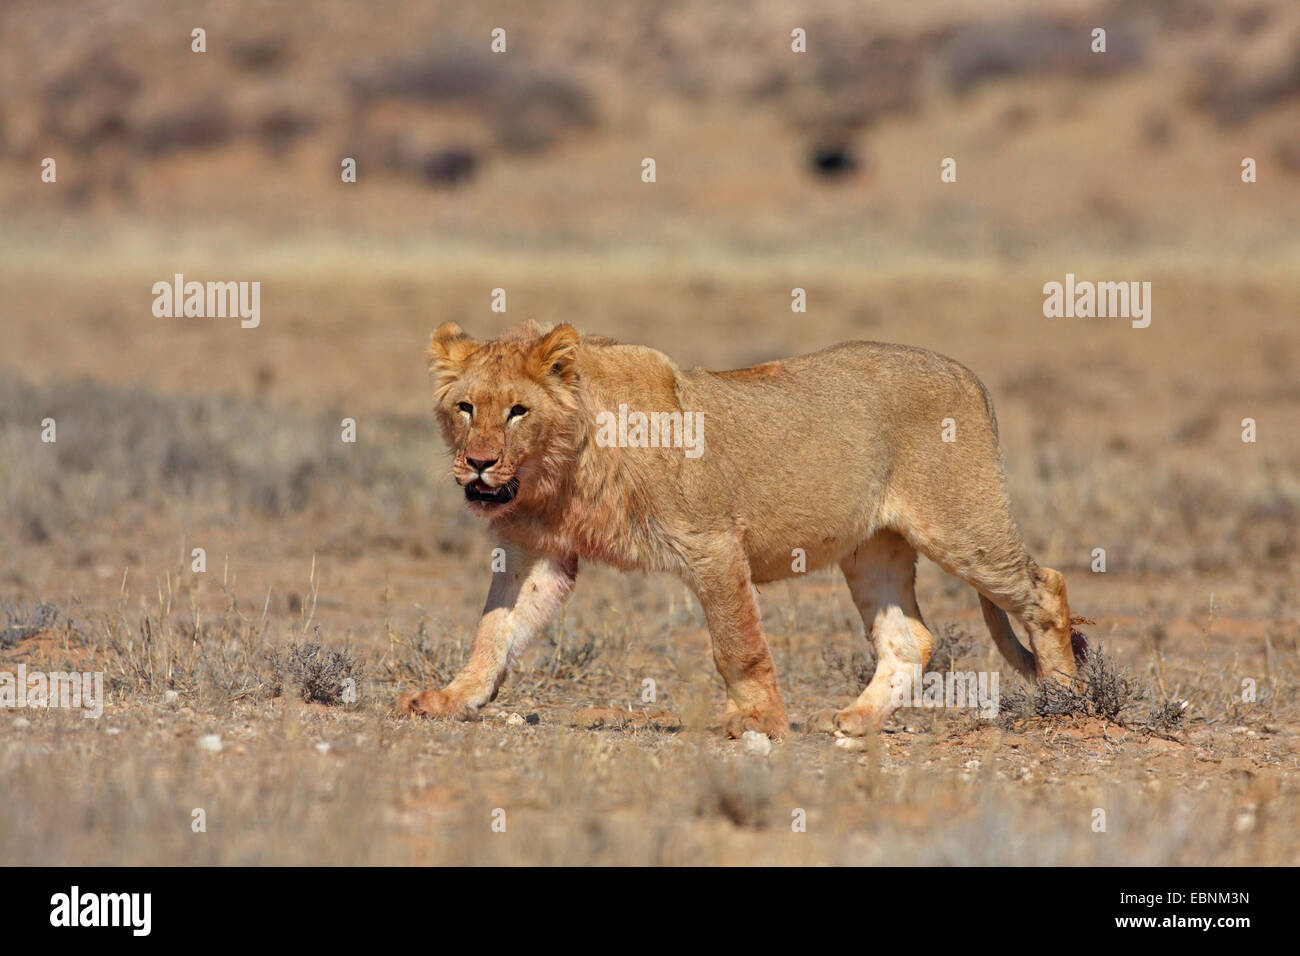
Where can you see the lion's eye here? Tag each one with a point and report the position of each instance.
(518, 412)
(466, 407)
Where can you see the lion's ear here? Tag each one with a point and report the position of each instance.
(448, 350)
(555, 353)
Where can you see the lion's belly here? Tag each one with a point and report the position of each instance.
(778, 549)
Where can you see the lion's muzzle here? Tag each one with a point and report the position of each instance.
(479, 491)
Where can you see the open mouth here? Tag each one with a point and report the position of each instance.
(478, 491)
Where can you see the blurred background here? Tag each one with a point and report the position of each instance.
(522, 170)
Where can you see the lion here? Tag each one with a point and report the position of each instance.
(863, 454)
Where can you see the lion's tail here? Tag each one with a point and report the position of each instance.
(1021, 657)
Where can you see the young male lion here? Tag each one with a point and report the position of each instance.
(844, 454)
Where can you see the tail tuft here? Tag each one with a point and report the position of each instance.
(1079, 640)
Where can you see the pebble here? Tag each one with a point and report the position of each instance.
(211, 743)
(760, 745)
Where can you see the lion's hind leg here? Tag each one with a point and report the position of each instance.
(1008, 580)
(1020, 657)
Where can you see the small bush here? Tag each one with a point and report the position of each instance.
(21, 624)
(1164, 717)
(1105, 689)
(952, 644)
(857, 669)
(317, 672)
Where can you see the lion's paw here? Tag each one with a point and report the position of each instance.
(770, 722)
(822, 722)
(849, 722)
(431, 703)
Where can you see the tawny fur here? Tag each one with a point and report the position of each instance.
(839, 453)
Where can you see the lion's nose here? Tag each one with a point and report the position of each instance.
(482, 464)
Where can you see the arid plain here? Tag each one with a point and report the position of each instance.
(329, 561)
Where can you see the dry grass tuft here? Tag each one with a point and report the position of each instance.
(321, 675)
(24, 623)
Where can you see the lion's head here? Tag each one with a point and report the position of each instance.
(509, 412)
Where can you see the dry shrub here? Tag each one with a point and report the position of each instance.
(952, 644)
(1164, 717)
(21, 624)
(977, 53)
(1105, 689)
(857, 668)
(317, 672)
(202, 123)
(526, 108)
(1231, 98)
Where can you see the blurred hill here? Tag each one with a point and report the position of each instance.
(826, 159)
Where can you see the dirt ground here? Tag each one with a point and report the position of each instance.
(333, 566)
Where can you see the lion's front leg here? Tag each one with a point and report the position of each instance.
(522, 599)
(723, 585)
